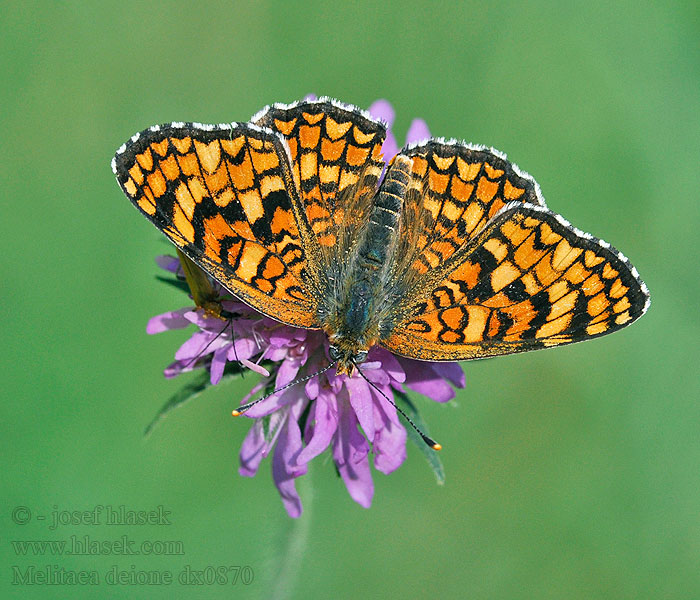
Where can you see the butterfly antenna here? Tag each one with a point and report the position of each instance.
(428, 440)
(241, 409)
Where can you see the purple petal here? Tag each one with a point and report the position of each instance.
(350, 454)
(287, 489)
(237, 307)
(257, 446)
(310, 97)
(382, 109)
(283, 337)
(287, 372)
(274, 428)
(417, 132)
(325, 423)
(170, 320)
(252, 450)
(390, 148)
(374, 372)
(205, 321)
(389, 443)
(313, 387)
(371, 365)
(389, 448)
(390, 364)
(385, 412)
(178, 367)
(291, 442)
(242, 348)
(362, 403)
(380, 378)
(168, 263)
(451, 371)
(276, 402)
(199, 344)
(337, 382)
(276, 354)
(218, 362)
(284, 465)
(423, 379)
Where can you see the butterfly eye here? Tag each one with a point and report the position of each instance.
(333, 353)
(361, 356)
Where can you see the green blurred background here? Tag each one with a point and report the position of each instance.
(571, 473)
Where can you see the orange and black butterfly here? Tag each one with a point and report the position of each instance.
(453, 255)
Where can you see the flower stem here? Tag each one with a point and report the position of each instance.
(294, 548)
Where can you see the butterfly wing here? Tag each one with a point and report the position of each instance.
(336, 162)
(225, 196)
(455, 188)
(525, 279)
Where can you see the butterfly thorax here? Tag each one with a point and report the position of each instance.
(354, 322)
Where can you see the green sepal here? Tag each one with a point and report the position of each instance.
(431, 455)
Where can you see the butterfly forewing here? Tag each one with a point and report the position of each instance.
(336, 164)
(225, 196)
(454, 190)
(529, 280)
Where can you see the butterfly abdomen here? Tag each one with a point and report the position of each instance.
(356, 325)
(379, 238)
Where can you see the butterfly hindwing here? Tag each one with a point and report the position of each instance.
(225, 196)
(529, 280)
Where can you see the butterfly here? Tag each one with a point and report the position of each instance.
(451, 254)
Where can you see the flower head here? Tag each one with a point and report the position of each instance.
(314, 408)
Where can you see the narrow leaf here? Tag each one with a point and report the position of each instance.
(431, 455)
(179, 284)
(200, 383)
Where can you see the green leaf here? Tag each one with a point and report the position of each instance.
(179, 284)
(200, 383)
(431, 455)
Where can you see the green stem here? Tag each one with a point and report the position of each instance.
(296, 542)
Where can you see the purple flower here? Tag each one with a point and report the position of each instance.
(323, 411)
(417, 131)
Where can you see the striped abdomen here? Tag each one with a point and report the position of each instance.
(379, 238)
(357, 327)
